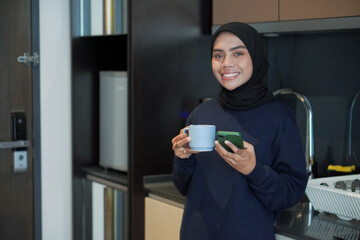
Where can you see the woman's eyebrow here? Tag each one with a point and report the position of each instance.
(217, 50)
(237, 47)
(231, 49)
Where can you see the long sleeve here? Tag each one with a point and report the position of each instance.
(182, 172)
(282, 184)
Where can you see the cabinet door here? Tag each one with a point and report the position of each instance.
(248, 11)
(310, 9)
(162, 221)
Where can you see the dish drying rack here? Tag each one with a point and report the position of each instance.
(337, 195)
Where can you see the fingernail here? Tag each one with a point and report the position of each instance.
(227, 142)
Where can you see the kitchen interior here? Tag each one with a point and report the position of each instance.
(140, 67)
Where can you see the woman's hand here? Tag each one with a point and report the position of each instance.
(243, 160)
(181, 146)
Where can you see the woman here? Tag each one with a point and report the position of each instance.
(237, 195)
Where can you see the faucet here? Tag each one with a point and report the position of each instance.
(349, 152)
(309, 148)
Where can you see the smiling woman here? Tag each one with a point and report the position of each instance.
(236, 194)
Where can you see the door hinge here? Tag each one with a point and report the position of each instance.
(27, 59)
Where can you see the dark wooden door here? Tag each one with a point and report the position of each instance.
(16, 189)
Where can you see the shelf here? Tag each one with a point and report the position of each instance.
(120, 35)
(106, 176)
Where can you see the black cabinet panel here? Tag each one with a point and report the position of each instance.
(170, 71)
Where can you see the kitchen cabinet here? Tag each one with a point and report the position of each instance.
(308, 9)
(281, 10)
(162, 220)
(245, 11)
(162, 53)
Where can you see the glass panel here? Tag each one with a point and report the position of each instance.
(98, 211)
(120, 222)
(99, 199)
(103, 17)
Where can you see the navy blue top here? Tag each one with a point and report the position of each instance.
(223, 204)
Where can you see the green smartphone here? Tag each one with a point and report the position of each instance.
(234, 137)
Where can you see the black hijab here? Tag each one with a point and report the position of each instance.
(254, 92)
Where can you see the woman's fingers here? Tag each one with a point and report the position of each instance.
(243, 160)
(226, 155)
(179, 137)
(181, 146)
(183, 153)
(181, 142)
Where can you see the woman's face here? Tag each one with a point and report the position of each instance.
(231, 61)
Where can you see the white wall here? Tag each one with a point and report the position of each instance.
(55, 98)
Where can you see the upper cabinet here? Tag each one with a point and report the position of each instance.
(309, 9)
(245, 11)
(281, 10)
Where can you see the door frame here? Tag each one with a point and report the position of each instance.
(35, 41)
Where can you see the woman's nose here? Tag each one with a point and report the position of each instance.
(228, 61)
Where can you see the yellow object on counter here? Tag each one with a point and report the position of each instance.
(340, 168)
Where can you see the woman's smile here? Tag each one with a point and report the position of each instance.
(230, 76)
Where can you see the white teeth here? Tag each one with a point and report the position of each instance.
(230, 74)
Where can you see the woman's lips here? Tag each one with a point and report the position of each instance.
(229, 76)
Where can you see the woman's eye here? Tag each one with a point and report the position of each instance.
(217, 55)
(239, 53)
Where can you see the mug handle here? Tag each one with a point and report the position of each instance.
(186, 130)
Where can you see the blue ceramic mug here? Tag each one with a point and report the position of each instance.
(202, 137)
